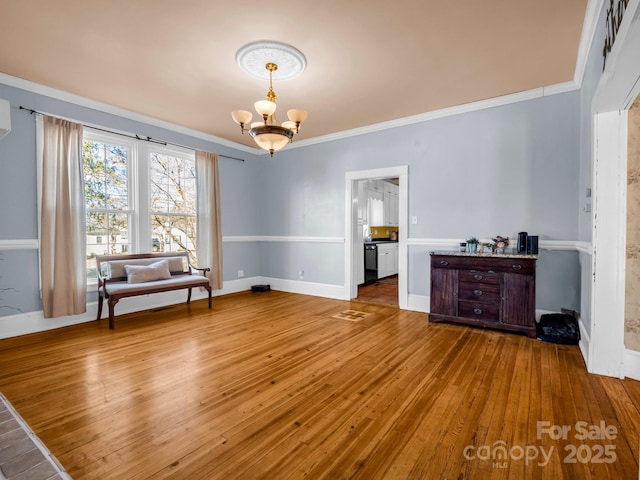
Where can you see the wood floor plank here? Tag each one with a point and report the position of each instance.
(274, 385)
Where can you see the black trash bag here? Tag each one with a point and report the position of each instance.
(558, 328)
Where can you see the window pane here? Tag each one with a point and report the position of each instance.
(174, 233)
(173, 185)
(105, 174)
(173, 204)
(107, 234)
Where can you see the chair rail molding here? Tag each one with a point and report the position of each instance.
(19, 244)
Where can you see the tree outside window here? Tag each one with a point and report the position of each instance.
(106, 176)
(173, 203)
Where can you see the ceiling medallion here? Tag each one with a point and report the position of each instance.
(266, 55)
(253, 57)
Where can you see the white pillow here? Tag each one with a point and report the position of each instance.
(148, 273)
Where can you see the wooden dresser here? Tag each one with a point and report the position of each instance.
(496, 291)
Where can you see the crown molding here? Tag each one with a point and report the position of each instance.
(442, 113)
(118, 111)
(376, 127)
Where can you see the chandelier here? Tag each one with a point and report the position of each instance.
(268, 134)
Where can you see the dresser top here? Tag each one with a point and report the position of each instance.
(484, 255)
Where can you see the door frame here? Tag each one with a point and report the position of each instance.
(618, 87)
(351, 223)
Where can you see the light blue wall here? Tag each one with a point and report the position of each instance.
(239, 189)
(490, 172)
(494, 171)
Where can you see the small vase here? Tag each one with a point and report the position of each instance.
(472, 247)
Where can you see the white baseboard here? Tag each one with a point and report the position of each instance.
(585, 341)
(419, 303)
(32, 322)
(631, 364)
(336, 292)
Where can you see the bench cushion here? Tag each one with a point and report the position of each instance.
(179, 281)
(116, 267)
(148, 273)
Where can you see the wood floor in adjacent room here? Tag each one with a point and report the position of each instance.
(277, 386)
(384, 291)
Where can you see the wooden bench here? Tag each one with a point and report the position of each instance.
(121, 276)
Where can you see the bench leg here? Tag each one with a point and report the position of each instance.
(112, 303)
(209, 288)
(100, 301)
(189, 296)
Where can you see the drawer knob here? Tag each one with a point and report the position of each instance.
(444, 263)
(516, 266)
(477, 276)
(477, 293)
(477, 311)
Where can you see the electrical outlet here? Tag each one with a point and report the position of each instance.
(414, 220)
(240, 273)
(301, 274)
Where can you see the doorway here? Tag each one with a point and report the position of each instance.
(378, 215)
(354, 233)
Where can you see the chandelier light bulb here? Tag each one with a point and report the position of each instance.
(296, 115)
(265, 108)
(241, 117)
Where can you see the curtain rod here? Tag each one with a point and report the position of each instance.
(137, 137)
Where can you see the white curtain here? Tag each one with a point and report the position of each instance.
(62, 220)
(209, 230)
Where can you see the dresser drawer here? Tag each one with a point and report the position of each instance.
(492, 264)
(479, 292)
(516, 265)
(479, 276)
(479, 311)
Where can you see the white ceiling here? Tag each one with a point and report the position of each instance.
(367, 61)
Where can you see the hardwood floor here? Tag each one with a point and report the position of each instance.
(277, 386)
(384, 291)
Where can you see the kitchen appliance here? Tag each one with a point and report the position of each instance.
(370, 263)
(522, 242)
(532, 244)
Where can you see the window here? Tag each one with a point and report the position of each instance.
(173, 203)
(106, 192)
(137, 198)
